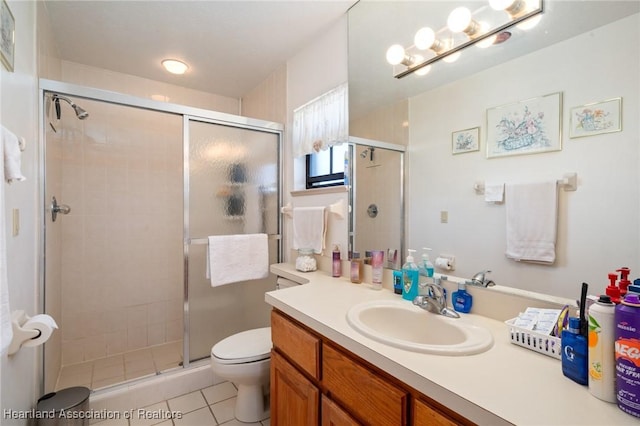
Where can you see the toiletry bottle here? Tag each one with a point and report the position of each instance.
(377, 260)
(627, 347)
(624, 280)
(397, 281)
(612, 289)
(461, 299)
(357, 268)
(425, 269)
(336, 270)
(426, 262)
(574, 352)
(635, 287)
(410, 277)
(602, 368)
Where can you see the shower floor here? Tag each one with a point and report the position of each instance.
(123, 367)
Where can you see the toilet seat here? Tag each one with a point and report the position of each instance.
(247, 346)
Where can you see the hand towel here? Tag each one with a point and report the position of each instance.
(309, 228)
(532, 216)
(494, 192)
(6, 332)
(235, 258)
(12, 155)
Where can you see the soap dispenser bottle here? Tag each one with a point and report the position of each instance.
(410, 278)
(426, 262)
(462, 300)
(624, 280)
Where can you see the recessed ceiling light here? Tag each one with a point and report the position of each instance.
(174, 66)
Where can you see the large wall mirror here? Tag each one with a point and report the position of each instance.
(585, 51)
(376, 198)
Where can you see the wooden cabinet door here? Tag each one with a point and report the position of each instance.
(295, 401)
(424, 415)
(371, 399)
(333, 415)
(300, 346)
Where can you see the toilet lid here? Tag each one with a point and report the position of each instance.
(247, 346)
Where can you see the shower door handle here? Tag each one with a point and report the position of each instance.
(58, 208)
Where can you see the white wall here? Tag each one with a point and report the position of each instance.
(18, 112)
(598, 224)
(318, 68)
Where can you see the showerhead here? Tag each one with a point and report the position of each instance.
(364, 153)
(81, 113)
(369, 152)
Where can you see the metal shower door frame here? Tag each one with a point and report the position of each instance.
(188, 113)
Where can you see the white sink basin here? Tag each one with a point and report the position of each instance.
(401, 324)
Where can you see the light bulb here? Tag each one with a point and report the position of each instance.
(529, 23)
(487, 42)
(424, 39)
(501, 4)
(421, 71)
(459, 19)
(452, 58)
(395, 54)
(174, 66)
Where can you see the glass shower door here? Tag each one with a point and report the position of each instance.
(232, 184)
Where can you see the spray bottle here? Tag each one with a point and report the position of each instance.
(612, 290)
(624, 281)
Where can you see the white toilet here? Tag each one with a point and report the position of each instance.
(244, 359)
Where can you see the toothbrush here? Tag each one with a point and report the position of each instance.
(583, 304)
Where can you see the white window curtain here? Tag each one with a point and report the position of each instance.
(322, 122)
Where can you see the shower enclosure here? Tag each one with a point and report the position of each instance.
(138, 187)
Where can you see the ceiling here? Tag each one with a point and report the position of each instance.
(230, 46)
(375, 25)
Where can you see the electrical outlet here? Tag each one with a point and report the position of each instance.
(444, 216)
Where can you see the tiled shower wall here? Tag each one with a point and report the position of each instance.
(122, 242)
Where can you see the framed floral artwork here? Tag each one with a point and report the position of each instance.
(531, 126)
(465, 140)
(596, 118)
(7, 34)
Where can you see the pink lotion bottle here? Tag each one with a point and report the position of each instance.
(336, 270)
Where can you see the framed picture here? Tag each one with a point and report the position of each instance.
(596, 118)
(465, 140)
(531, 126)
(7, 36)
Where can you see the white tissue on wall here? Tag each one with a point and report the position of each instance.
(30, 331)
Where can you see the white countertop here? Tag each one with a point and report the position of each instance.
(507, 384)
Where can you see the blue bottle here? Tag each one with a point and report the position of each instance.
(462, 300)
(410, 278)
(574, 352)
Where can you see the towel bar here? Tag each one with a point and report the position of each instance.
(569, 182)
(336, 208)
(206, 240)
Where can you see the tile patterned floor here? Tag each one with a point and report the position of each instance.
(119, 368)
(210, 406)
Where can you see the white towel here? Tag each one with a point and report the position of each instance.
(235, 258)
(309, 228)
(12, 156)
(532, 216)
(494, 192)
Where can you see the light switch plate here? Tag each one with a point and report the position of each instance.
(444, 216)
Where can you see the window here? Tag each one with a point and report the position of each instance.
(326, 168)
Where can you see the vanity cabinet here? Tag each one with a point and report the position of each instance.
(316, 382)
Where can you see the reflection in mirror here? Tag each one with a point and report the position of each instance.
(376, 198)
(588, 59)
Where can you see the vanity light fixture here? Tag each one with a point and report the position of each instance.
(174, 66)
(464, 28)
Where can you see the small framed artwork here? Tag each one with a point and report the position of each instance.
(531, 126)
(7, 35)
(465, 140)
(596, 118)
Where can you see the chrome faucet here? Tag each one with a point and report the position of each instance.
(479, 279)
(435, 300)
